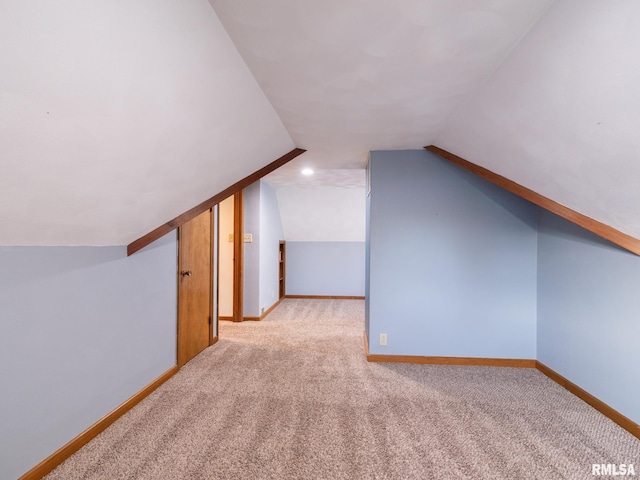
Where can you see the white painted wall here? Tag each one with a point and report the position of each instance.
(117, 116)
(322, 213)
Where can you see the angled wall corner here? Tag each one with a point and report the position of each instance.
(560, 113)
(617, 237)
(578, 301)
(588, 306)
(451, 261)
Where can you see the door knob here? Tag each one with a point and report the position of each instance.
(185, 273)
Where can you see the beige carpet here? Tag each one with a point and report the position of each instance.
(292, 397)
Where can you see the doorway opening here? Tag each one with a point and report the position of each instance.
(230, 254)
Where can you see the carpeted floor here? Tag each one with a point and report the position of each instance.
(292, 397)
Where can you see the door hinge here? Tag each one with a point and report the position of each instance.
(209, 320)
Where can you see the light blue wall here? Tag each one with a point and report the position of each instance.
(252, 223)
(262, 220)
(367, 260)
(325, 268)
(589, 313)
(270, 235)
(83, 329)
(452, 261)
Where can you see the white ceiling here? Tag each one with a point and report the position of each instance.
(328, 206)
(116, 116)
(322, 213)
(325, 177)
(364, 75)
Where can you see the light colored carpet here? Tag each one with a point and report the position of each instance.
(292, 397)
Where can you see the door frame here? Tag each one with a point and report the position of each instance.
(237, 289)
(215, 229)
(238, 256)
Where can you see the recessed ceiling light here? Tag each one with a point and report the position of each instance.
(307, 171)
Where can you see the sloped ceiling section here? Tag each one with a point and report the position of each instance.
(116, 116)
(328, 206)
(562, 114)
(360, 75)
(322, 213)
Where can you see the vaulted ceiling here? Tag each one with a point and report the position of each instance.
(116, 116)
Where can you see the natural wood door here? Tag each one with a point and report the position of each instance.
(194, 287)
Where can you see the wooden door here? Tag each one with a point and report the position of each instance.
(194, 287)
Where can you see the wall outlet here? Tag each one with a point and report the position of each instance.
(383, 339)
(248, 238)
